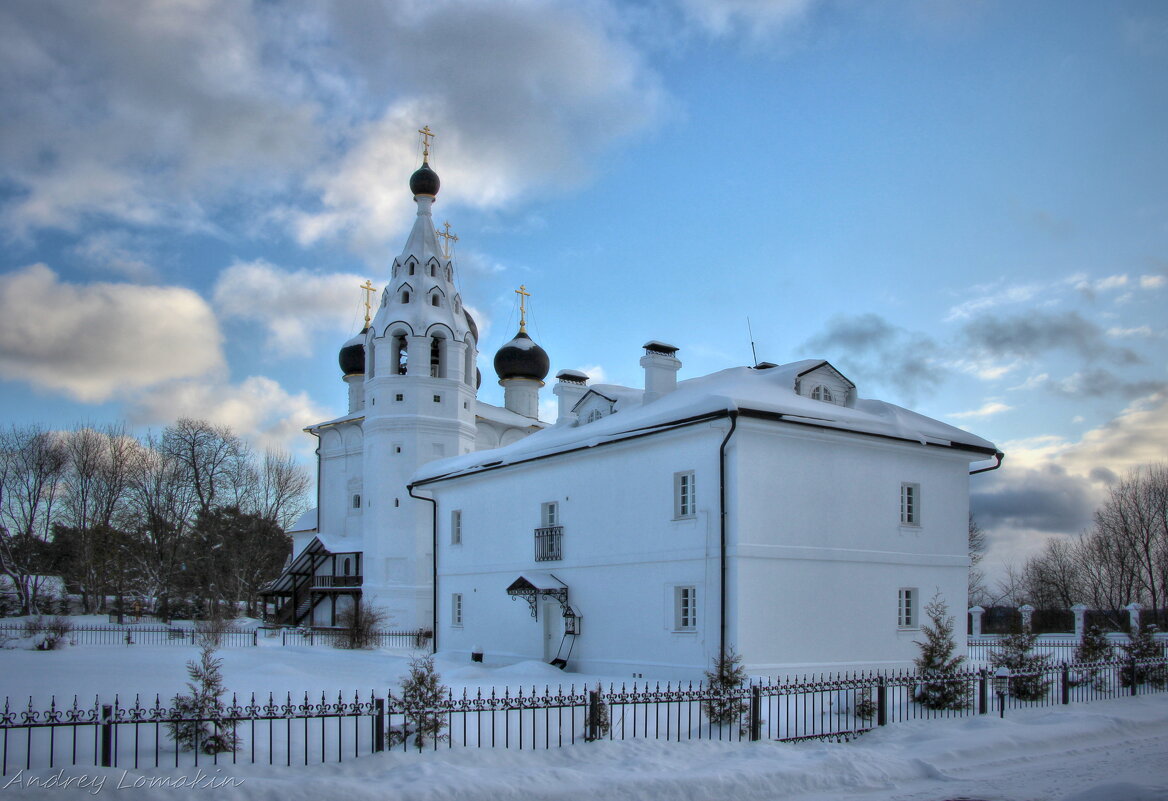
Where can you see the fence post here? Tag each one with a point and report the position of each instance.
(755, 713)
(255, 638)
(379, 725)
(1066, 688)
(1135, 678)
(881, 701)
(983, 692)
(107, 736)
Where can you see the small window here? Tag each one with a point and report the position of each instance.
(437, 398)
(684, 500)
(432, 275)
(399, 397)
(397, 448)
(346, 566)
(593, 416)
(910, 504)
(906, 613)
(456, 527)
(405, 297)
(550, 514)
(434, 301)
(456, 609)
(356, 501)
(411, 268)
(685, 608)
(821, 393)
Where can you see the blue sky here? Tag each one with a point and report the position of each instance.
(962, 205)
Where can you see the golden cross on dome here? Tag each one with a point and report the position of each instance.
(523, 295)
(427, 135)
(369, 289)
(449, 237)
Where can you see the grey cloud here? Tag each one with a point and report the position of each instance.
(1047, 499)
(868, 347)
(1098, 383)
(1035, 332)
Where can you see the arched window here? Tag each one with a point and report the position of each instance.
(821, 393)
(401, 353)
(433, 272)
(405, 298)
(356, 501)
(437, 362)
(346, 567)
(593, 416)
(434, 301)
(411, 268)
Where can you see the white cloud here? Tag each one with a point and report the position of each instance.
(1152, 281)
(291, 304)
(985, 369)
(990, 296)
(258, 409)
(96, 341)
(987, 409)
(1137, 331)
(756, 17)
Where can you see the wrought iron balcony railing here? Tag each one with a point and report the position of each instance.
(548, 547)
(327, 582)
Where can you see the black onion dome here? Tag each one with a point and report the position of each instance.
(522, 358)
(352, 355)
(424, 181)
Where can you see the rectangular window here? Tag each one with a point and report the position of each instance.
(456, 609)
(437, 398)
(906, 614)
(684, 500)
(399, 397)
(685, 608)
(550, 514)
(910, 504)
(456, 527)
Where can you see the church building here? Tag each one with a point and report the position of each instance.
(765, 509)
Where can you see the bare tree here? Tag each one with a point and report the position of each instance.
(213, 459)
(1135, 517)
(32, 465)
(283, 488)
(978, 594)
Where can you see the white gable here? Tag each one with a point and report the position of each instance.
(825, 383)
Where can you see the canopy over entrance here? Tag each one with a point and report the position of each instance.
(533, 585)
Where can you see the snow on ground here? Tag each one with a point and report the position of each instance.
(1111, 750)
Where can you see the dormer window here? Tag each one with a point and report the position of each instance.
(821, 393)
(593, 416)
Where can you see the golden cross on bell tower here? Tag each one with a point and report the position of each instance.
(449, 237)
(369, 289)
(523, 295)
(427, 135)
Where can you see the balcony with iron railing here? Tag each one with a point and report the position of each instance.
(548, 545)
(335, 582)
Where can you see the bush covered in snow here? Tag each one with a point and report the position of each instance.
(1027, 679)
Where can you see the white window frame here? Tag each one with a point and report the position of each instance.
(456, 527)
(456, 609)
(910, 504)
(549, 514)
(907, 612)
(685, 607)
(684, 495)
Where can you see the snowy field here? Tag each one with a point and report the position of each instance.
(1114, 750)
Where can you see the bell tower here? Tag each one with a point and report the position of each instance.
(419, 398)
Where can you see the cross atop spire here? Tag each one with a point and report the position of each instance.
(523, 295)
(449, 237)
(369, 289)
(427, 135)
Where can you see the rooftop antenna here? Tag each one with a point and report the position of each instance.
(753, 352)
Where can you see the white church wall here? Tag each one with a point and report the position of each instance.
(623, 553)
(819, 551)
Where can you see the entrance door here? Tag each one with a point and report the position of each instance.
(553, 628)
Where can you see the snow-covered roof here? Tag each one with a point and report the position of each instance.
(621, 397)
(768, 392)
(337, 544)
(345, 418)
(496, 414)
(306, 522)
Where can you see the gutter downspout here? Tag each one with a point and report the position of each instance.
(1000, 456)
(434, 566)
(722, 534)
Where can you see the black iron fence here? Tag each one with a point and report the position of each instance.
(224, 638)
(305, 730)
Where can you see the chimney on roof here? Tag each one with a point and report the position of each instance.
(661, 366)
(570, 388)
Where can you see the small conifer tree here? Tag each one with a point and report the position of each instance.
(1027, 682)
(597, 723)
(1138, 652)
(724, 705)
(942, 689)
(200, 715)
(1094, 648)
(421, 700)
